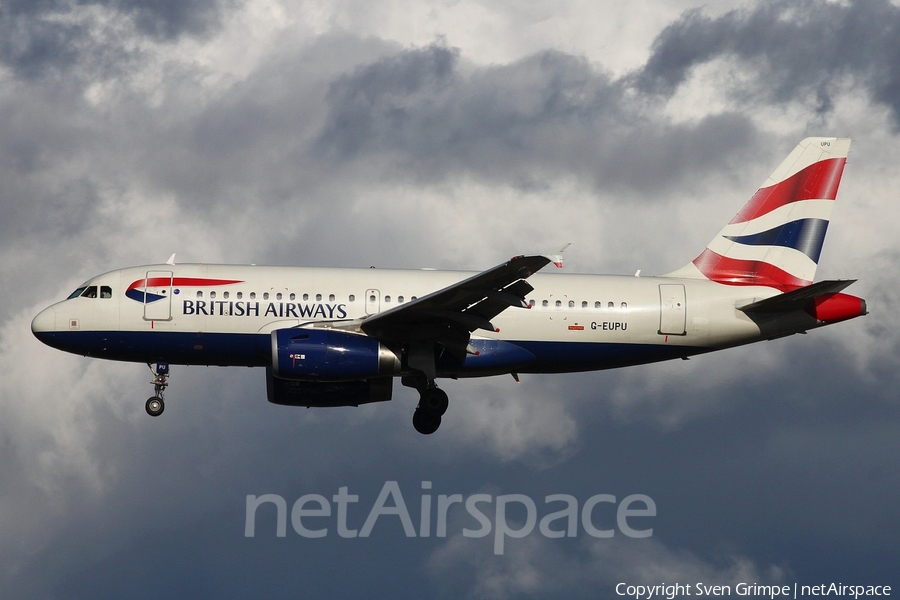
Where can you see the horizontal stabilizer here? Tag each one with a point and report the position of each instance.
(796, 299)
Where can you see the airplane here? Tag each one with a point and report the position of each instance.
(339, 336)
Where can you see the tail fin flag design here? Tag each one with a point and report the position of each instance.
(776, 238)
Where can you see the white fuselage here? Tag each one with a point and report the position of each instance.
(223, 314)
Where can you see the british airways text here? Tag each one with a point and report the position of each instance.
(297, 310)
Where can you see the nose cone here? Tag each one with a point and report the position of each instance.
(44, 324)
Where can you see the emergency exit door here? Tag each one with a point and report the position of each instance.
(158, 296)
(672, 309)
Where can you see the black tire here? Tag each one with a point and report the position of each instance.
(435, 401)
(155, 406)
(425, 422)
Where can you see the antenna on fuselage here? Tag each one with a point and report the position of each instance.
(171, 260)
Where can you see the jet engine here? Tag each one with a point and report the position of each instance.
(324, 367)
(329, 355)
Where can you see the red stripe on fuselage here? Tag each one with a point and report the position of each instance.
(177, 281)
(818, 181)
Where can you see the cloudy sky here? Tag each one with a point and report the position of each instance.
(446, 134)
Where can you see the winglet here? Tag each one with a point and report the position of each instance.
(557, 259)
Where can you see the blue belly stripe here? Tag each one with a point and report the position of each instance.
(254, 350)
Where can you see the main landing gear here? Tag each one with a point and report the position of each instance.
(432, 406)
(432, 400)
(155, 404)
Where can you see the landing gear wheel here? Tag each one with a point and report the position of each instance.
(155, 406)
(425, 421)
(435, 401)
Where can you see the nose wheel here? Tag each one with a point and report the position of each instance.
(155, 404)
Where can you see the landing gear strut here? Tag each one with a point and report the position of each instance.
(155, 404)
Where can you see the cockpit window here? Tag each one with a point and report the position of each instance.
(76, 293)
(105, 291)
(90, 292)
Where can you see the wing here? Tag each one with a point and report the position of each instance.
(467, 305)
(448, 316)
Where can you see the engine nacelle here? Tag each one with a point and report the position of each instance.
(329, 355)
(293, 392)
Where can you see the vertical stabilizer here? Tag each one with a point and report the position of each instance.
(776, 238)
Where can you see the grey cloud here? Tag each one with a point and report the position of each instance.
(538, 567)
(169, 19)
(31, 43)
(545, 116)
(797, 49)
(50, 38)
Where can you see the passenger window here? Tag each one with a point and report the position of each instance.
(90, 292)
(611, 305)
(305, 297)
(545, 304)
(240, 295)
(531, 302)
(387, 298)
(278, 296)
(352, 298)
(253, 295)
(293, 296)
(105, 291)
(584, 304)
(624, 305)
(212, 294)
(559, 303)
(199, 293)
(265, 295)
(571, 304)
(597, 304)
(225, 295)
(318, 297)
(331, 297)
(372, 298)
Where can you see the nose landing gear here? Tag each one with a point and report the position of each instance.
(155, 404)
